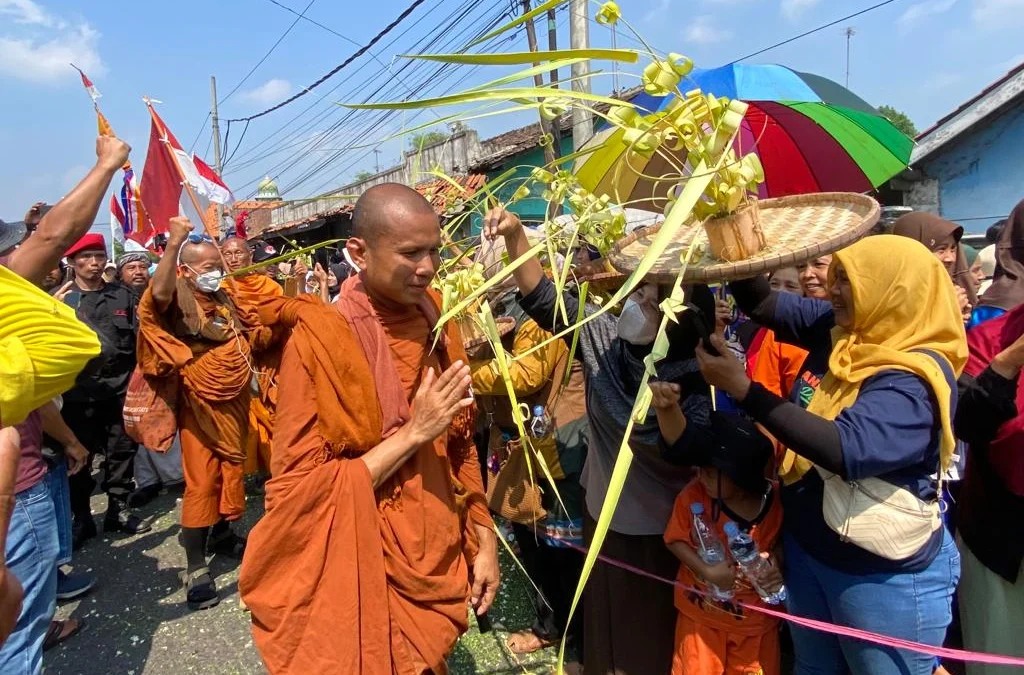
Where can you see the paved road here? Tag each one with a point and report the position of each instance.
(138, 624)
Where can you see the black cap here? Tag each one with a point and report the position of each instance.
(262, 251)
(11, 234)
(739, 450)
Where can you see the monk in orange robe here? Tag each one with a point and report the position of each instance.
(254, 289)
(193, 329)
(377, 532)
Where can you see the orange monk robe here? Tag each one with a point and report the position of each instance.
(213, 404)
(254, 289)
(341, 578)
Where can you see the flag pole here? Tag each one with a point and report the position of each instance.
(187, 187)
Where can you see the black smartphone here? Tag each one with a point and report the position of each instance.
(704, 328)
(44, 209)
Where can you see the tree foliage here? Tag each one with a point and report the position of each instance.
(422, 140)
(362, 175)
(899, 119)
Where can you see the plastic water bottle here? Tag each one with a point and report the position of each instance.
(539, 423)
(746, 554)
(709, 547)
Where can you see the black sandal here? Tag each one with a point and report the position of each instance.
(59, 631)
(200, 591)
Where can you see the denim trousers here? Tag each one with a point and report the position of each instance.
(32, 556)
(57, 477)
(914, 606)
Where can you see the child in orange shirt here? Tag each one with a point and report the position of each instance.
(715, 637)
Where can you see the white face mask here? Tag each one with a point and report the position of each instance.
(208, 282)
(637, 324)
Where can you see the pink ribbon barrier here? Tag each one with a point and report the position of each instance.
(826, 627)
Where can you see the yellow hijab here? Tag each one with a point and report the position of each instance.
(43, 346)
(903, 302)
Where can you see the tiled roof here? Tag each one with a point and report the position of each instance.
(441, 194)
(499, 148)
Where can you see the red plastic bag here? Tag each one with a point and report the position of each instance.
(150, 410)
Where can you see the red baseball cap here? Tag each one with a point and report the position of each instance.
(89, 242)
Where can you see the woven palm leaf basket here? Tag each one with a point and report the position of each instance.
(796, 229)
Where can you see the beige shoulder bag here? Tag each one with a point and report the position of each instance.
(879, 517)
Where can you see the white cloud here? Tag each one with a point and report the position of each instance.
(921, 10)
(793, 9)
(45, 58)
(702, 30)
(657, 11)
(940, 81)
(271, 91)
(26, 12)
(998, 13)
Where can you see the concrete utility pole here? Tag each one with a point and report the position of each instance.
(849, 33)
(579, 38)
(215, 122)
(376, 159)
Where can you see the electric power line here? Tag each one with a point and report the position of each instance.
(265, 56)
(362, 50)
(380, 117)
(812, 31)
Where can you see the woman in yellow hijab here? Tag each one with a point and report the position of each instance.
(878, 429)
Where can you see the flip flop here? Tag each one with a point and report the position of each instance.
(59, 631)
(527, 642)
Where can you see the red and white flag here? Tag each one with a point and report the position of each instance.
(163, 193)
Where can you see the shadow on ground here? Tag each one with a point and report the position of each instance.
(137, 622)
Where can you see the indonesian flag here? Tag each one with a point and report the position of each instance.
(94, 94)
(163, 188)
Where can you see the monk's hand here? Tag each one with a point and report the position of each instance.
(501, 223)
(438, 400)
(178, 230)
(486, 573)
(723, 371)
(10, 590)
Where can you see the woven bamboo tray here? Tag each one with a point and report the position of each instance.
(473, 336)
(600, 274)
(797, 229)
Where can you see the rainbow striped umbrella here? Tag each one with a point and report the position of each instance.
(811, 134)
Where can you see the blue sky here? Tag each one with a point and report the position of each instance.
(923, 57)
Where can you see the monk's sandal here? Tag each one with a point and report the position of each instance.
(200, 591)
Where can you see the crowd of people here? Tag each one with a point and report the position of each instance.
(856, 421)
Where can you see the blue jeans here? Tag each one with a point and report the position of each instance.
(32, 557)
(60, 493)
(912, 606)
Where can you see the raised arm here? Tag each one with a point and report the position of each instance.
(165, 278)
(71, 217)
(501, 223)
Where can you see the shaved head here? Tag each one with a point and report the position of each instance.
(383, 206)
(194, 253)
(236, 253)
(196, 259)
(396, 242)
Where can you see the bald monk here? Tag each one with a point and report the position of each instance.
(254, 288)
(377, 532)
(194, 328)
